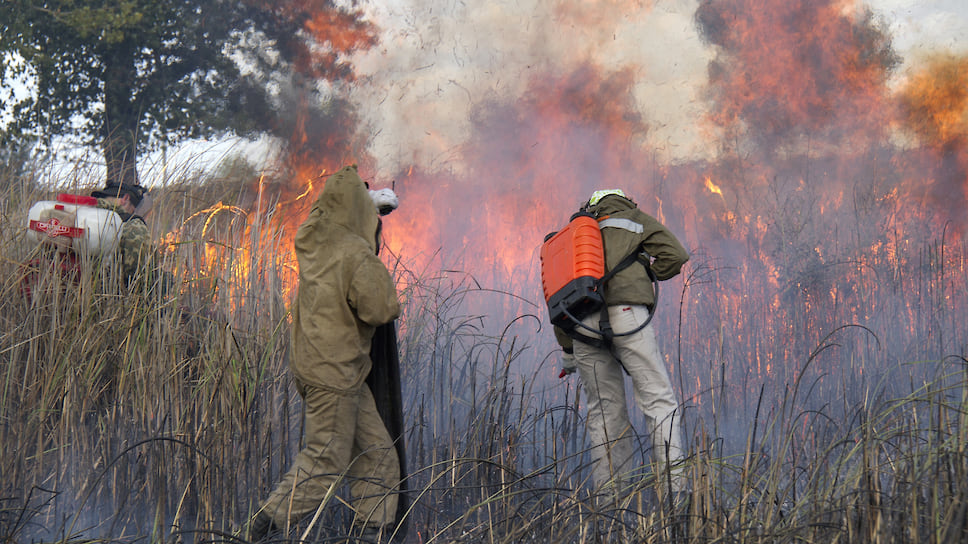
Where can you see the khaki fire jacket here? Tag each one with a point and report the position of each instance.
(344, 292)
(624, 228)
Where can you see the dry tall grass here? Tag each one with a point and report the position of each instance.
(166, 414)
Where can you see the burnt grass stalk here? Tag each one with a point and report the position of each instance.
(165, 411)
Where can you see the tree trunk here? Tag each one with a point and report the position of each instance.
(119, 137)
(120, 157)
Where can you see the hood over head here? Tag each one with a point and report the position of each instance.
(346, 201)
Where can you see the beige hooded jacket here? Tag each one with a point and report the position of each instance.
(345, 291)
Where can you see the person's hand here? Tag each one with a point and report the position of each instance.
(568, 365)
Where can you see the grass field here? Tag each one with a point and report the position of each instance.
(165, 413)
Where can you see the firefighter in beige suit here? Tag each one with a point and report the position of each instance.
(344, 293)
(630, 299)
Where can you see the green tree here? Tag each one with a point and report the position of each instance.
(129, 75)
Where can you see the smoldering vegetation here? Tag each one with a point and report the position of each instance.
(165, 412)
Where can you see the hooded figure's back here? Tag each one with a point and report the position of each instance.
(345, 291)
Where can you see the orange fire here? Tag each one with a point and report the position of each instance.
(713, 188)
(934, 101)
(789, 70)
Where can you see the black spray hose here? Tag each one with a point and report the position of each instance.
(655, 288)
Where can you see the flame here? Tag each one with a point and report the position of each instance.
(786, 70)
(335, 33)
(713, 188)
(934, 101)
(933, 106)
(567, 144)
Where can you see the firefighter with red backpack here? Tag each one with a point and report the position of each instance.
(78, 231)
(130, 202)
(614, 338)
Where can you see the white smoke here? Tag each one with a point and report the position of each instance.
(919, 27)
(437, 60)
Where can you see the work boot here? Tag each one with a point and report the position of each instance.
(262, 527)
(375, 534)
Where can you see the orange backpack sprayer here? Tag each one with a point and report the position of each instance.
(572, 263)
(573, 278)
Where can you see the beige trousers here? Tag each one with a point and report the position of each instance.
(346, 443)
(609, 428)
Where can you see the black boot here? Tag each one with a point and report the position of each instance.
(375, 534)
(261, 527)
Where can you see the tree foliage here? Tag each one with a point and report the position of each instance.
(132, 74)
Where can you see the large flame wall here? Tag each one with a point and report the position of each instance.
(820, 190)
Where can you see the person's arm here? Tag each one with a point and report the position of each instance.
(563, 339)
(568, 365)
(372, 293)
(135, 245)
(667, 253)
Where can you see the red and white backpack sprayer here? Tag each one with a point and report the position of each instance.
(573, 278)
(85, 228)
(68, 230)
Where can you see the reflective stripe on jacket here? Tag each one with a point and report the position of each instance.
(624, 228)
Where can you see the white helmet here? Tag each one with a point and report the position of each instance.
(597, 196)
(385, 200)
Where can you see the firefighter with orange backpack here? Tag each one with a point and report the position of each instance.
(613, 337)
